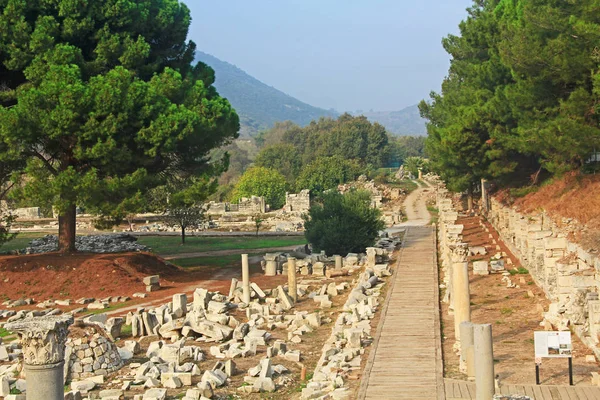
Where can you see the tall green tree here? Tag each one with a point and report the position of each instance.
(465, 120)
(102, 100)
(551, 48)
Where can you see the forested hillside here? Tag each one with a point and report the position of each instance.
(406, 122)
(258, 105)
(521, 99)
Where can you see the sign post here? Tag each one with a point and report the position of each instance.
(552, 345)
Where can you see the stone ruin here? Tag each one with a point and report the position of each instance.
(568, 273)
(90, 354)
(297, 202)
(246, 206)
(27, 213)
(90, 351)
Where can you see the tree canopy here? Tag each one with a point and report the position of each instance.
(260, 181)
(102, 101)
(521, 92)
(327, 173)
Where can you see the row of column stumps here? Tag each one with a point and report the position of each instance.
(271, 270)
(473, 341)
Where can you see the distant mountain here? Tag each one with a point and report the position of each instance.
(406, 122)
(258, 105)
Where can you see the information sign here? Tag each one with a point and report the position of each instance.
(553, 344)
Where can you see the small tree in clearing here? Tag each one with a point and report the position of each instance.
(186, 218)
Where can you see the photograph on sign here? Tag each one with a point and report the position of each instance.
(552, 344)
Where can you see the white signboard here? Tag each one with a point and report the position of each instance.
(552, 344)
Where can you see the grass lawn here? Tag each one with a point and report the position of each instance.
(172, 244)
(216, 261)
(4, 333)
(21, 241)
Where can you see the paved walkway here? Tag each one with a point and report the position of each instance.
(406, 360)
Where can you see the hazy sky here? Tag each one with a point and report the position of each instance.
(344, 54)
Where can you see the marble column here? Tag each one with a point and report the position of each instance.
(291, 272)
(484, 362)
(245, 279)
(460, 287)
(43, 341)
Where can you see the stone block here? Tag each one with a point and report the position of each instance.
(480, 268)
(151, 280)
(179, 305)
(155, 394)
(184, 377)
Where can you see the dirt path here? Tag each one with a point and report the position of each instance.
(416, 208)
(213, 253)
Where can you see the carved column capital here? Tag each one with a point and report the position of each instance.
(43, 338)
(460, 252)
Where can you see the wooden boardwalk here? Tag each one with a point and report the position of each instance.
(459, 390)
(406, 359)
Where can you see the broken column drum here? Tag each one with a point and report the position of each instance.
(271, 264)
(371, 256)
(43, 340)
(338, 262)
(245, 279)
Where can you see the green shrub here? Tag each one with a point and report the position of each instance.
(342, 224)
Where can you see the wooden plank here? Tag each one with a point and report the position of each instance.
(591, 392)
(564, 393)
(581, 393)
(537, 393)
(554, 393)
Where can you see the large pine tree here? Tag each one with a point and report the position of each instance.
(102, 100)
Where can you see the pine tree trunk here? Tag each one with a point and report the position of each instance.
(182, 234)
(66, 230)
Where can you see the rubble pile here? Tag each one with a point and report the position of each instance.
(113, 243)
(342, 353)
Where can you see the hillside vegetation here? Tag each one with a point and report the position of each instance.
(258, 105)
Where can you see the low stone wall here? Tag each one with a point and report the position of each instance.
(568, 274)
(247, 206)
(89, 353)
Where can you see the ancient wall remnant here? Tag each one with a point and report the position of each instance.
(252, 205)
(568, 274)
(299, 202)
(27, 213)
